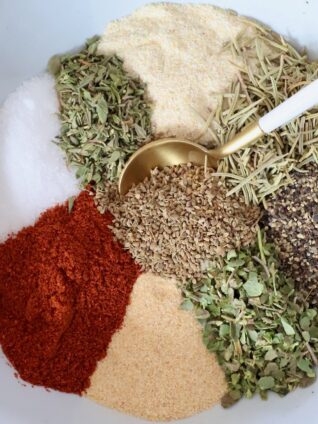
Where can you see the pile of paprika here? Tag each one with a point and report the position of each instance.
(64, 286)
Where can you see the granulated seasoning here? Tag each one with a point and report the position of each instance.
(292, 223)
(64, 287)
(178, 51)
(179, 217)
(28, 122)
(156, 366)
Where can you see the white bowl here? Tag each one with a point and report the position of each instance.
(32, 31)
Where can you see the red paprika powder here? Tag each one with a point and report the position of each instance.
(64, 286)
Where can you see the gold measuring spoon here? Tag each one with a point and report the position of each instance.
(172, 151)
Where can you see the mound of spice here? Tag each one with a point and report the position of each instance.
(177, 49)
(177, 218)
(263, 331)
(28, 122)
(64, 287)
(104, 112)
(292, 223)
(273, 70)
(156, 366)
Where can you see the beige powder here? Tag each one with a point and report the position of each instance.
(157, 366)
(178, 51)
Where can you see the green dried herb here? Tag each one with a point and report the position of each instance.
(71, 203)
(270, 70)
(104, 113)
(262, 330)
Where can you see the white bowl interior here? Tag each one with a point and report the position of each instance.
(30, 32)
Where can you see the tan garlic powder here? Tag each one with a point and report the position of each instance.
(156, 366)
(178, 50)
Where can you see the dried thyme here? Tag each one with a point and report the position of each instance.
(177, 218)
(262, 330)
(292, 223)
(104, 113)
(271, 70)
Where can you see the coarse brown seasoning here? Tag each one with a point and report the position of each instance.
(179, 217)
(292, 223)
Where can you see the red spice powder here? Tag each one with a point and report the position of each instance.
(64, 287)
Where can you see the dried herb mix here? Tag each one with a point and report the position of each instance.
(104, 112)
(263, 331)
(177, 218)
(292, 223)
(277, 72)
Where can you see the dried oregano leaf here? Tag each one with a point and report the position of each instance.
(262, 330)
(104, 113)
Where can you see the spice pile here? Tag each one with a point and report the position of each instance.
(177, 50)
(104, 113)
(32, 169)
(64, 287)
(263, 332)
(179, 217)
(273, 70)
(157, 366)
(292, 223)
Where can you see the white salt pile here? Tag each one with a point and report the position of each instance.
(33, 172)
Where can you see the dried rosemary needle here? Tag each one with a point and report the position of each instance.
(103, 110)
(272, 70)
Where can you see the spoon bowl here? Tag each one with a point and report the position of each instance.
(161, 153)
(173, 151)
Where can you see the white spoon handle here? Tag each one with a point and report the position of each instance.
(304, 99)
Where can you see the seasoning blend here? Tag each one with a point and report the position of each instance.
(179, 217)
(64, 287)
(292, 223)
(70, 293)
(156, 366)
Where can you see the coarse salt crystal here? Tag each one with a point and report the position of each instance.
(33, 172)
